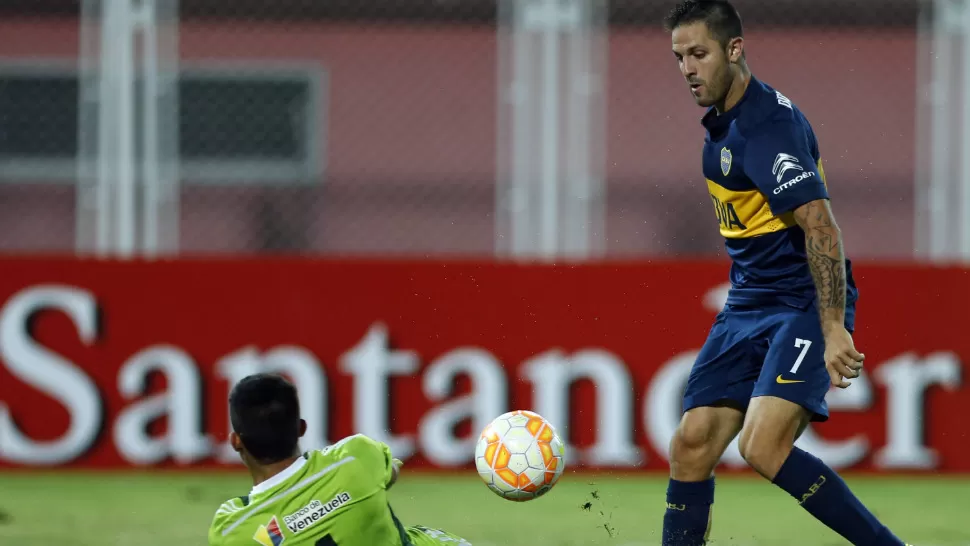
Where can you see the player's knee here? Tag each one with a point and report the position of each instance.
(753, 452)
(692, 455)
(692, 435)
(763, 452)
(769, 432)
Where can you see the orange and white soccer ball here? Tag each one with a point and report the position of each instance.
(519, 456)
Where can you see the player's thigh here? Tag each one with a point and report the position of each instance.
(420, 535)
(773, 420)
(726, 367)
(794, 365)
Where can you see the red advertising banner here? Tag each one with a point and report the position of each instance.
(106, 364)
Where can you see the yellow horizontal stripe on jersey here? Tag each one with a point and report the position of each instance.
(743, 214)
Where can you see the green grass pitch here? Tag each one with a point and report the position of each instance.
(156, 509)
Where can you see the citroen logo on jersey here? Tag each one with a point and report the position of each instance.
(726, 158)
(783, 164)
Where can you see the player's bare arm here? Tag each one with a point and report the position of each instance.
(826, 259)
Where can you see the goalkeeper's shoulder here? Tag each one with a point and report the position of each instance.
(357, 446)
(227, 512)
(373, 456)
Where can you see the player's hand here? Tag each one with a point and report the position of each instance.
(841, 358)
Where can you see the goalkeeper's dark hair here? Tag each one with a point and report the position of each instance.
(264, 410)
(721, 18)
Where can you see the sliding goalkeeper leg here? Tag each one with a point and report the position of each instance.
(422, 536)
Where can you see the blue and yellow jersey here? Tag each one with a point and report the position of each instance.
(761, 162)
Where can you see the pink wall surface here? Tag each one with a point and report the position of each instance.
(411, 140)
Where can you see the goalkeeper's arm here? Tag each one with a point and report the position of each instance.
(396, 465)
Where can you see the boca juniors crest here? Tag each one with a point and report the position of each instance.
(726, 158)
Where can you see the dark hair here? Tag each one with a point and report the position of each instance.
(721, 18)
(265, 412)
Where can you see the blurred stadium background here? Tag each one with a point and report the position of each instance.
(428, 211)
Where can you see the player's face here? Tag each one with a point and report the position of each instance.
(703, 62)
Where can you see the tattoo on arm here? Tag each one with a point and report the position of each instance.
(826, 258)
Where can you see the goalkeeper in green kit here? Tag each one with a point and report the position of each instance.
(333, 497)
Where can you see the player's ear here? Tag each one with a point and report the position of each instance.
(735, 49)
(236, 442)
(302, 428)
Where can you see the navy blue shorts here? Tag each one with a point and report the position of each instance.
(762, 351)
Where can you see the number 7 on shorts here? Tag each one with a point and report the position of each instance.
(804, 345)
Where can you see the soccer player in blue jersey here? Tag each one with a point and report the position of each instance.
(785, 333)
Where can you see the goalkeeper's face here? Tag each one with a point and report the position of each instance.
(704, 62)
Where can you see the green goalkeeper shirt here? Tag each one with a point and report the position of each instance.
(333, 497)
